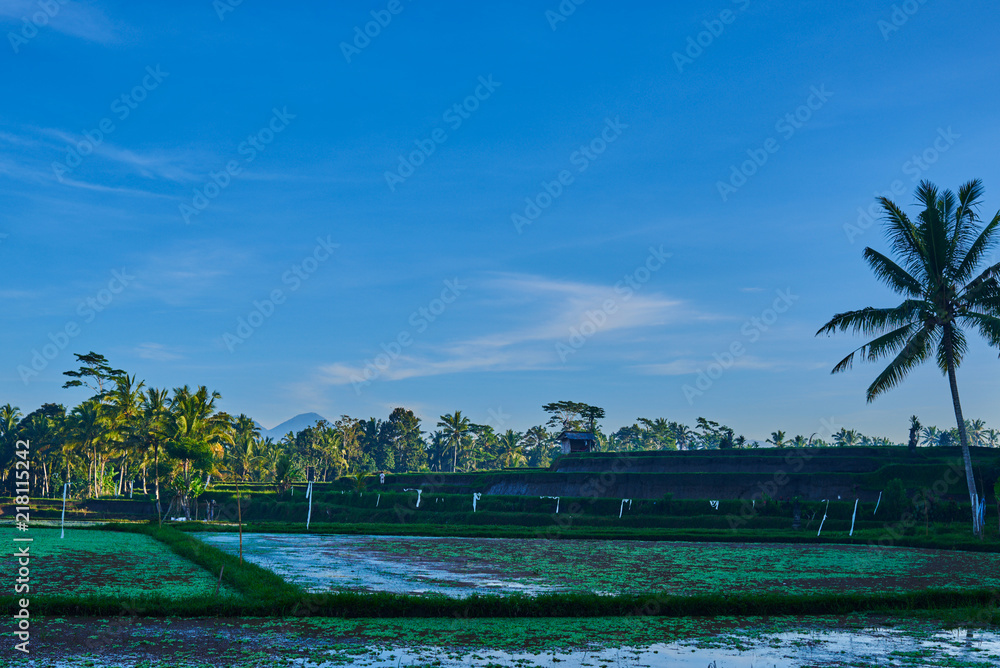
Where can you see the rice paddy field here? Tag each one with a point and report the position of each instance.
(89, 562)
(814, 642)
(463, 566)
(136, 572)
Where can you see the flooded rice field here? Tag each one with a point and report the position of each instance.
(493, 643)
(459, 567)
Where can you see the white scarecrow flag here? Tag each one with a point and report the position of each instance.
(622, 509)
(552, 497)
(418, 491)
(824, 517)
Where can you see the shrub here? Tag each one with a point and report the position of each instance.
(894, 500)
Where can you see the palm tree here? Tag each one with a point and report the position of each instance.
(511, 445)
(930, 436)
(914, 433)
(938, 259)
(151, 430)
(269, 453)
(659, 433)
(43, 432)
(197, 432)
(846, 437)
(243, 455)
(124, 402)
(535, 440)
(437, 451)
(10, 417)
(976, 429)
(682, 435)
(481, 446)
(455, 428)
(777, 439)
(86, 427)
(799, 442)
(285, 471)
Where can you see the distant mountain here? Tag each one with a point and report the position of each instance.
(295, 424)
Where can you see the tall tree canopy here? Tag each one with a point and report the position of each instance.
(937, 269)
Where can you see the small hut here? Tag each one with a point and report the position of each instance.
(577, 441)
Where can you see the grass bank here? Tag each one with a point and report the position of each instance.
(942, 536)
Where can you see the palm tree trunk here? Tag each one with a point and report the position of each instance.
(97, 489)
(121, 477)
(454, 461)
(156, 470)
(966, 455)
(104, 464)
(239, 515)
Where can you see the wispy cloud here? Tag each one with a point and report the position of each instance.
(118, 190)
(18, 294)
(157, 352)
(528, 316)
(77, 19)
(687, 366)
(173, 165)
(188, 272)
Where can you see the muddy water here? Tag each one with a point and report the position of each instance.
(307, 643)
(782, 650)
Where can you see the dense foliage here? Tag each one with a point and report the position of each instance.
(128, 437)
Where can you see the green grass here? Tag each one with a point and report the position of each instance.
(941, 536)
(982, 605)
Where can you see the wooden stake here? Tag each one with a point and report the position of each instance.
(239, 514)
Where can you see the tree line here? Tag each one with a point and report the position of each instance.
(128, 437)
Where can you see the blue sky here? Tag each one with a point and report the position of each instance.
(509, 204)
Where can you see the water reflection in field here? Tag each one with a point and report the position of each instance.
(496, 643)
(322, 563)
(874, 647)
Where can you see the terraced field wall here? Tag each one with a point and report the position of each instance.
(810, 474)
